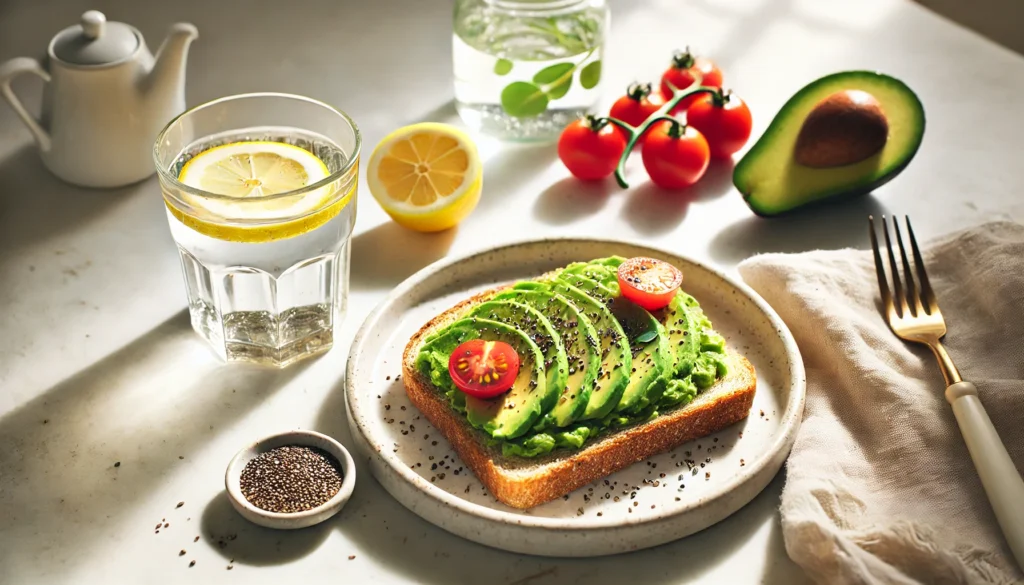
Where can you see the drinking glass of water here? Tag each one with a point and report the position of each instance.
(524, 69)
(260, 197)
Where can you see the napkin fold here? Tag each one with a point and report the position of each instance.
(880, 487)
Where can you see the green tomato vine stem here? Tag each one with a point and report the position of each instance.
(677, 128)
(721, 97)
(572, 42)
(661, 115)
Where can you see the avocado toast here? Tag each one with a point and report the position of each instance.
(602, 382)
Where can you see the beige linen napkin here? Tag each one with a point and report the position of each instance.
(880, 487)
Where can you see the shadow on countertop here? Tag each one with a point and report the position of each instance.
(569, 200)
(826, 226)
(443, 114)
(513, 165)
(653, 211)
(81, 453)
(386, 255)
(35, 205)
(716, 182)
(242, 542)
(649, 209)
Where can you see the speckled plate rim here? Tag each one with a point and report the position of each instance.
(770, 457)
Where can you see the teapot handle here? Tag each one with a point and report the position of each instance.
(12, 69)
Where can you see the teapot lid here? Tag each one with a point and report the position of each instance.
(94, 41)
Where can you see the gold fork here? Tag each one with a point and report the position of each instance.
(913, 314)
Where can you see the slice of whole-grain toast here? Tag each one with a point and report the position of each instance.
(527, 482)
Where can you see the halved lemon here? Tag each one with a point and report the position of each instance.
(248, 172)
(426, 176)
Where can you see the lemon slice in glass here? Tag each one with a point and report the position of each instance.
(251, 170)
(426, 176)
(246, 173)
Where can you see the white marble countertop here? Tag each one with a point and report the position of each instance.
(98, 364)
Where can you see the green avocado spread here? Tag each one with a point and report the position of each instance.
(590, 360)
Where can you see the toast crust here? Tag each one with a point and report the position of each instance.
(525, 483)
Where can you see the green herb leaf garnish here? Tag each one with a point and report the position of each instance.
(551, 73)
(523, 99)
(557, 78)
(590, 75)
(502, 67)
(646, 336)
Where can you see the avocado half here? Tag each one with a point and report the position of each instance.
(773, 182)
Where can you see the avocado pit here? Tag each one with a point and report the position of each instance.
(844, 128)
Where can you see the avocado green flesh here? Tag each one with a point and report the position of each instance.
(511, 414)
(652, 360)
(771, 180)
(579, 339)
(602, 273)
(631, 359)
(616, 357)
(683, 330)
(538, 328)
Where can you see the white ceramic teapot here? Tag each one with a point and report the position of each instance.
(105, 99)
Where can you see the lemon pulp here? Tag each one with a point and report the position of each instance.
(248, 174)
(426, 176)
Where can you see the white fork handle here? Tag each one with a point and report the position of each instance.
(1002, 482)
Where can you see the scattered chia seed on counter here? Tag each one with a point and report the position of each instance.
(291, 479)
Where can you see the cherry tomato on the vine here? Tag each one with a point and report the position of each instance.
(675, 155)
(637, 105)
(684, 72)
(723, 119)
(591, 147)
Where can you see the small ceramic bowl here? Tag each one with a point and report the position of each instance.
(293, 520)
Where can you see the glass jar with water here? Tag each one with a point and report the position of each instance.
(524, 69)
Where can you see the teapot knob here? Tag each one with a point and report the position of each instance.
(93, 23)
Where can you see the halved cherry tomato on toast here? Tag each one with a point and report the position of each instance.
(683, 73)
(649, 282)
(484, 369)
(723, 119)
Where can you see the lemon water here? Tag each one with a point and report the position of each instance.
(559, 55)
(273, 295)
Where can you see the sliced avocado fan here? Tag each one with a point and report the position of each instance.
(579, 340)
(512, 413)
(616, 358)
(535, 326)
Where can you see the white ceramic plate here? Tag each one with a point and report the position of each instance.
(652, 502)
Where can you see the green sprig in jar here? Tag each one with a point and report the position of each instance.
(524, 69)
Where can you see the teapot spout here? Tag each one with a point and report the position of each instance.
(167, 78)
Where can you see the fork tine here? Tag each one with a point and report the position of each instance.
(927, 294)
(883, 284)
(899, 300)
(912, 298)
